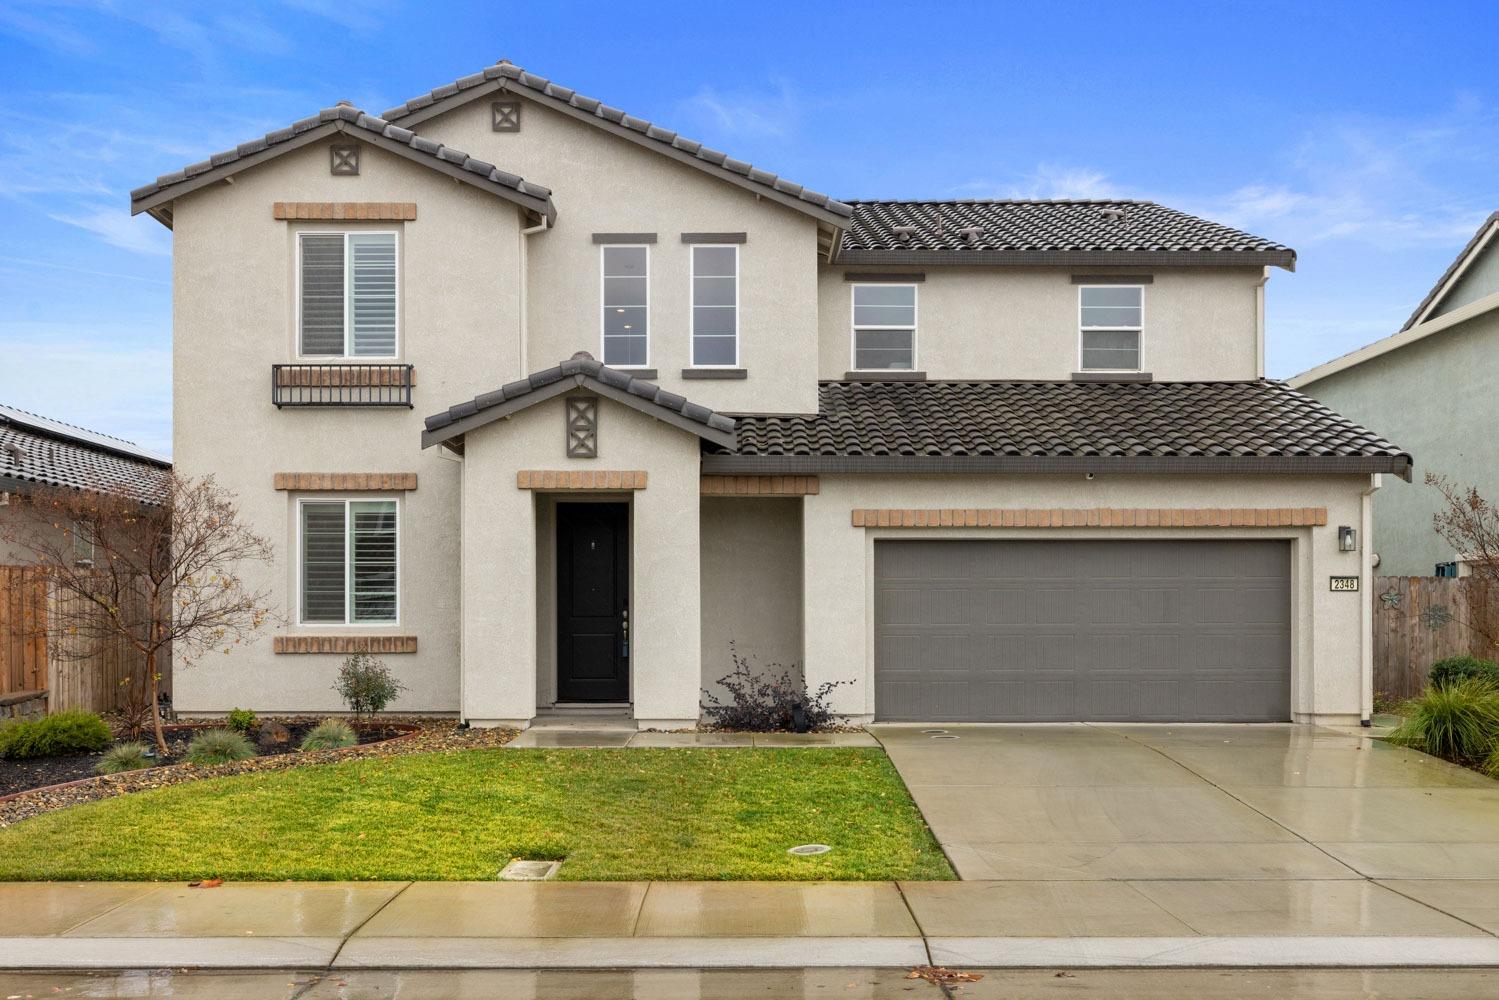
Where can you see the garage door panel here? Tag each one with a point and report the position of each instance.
(1069, 630)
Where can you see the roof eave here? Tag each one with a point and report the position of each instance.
(160, 200)
(457, 429)
(1387, 345)
(1292, 465)
(1071, 258)
(416, 116)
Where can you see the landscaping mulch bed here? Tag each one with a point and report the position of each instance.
(390, 737)
(38, 772)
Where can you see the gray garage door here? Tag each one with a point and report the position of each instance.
(1173, 631)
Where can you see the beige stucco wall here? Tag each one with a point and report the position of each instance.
(1328, 629)
(1022, 323)
(605, 184)
(20, 522)
(505, 606)
(752, 583)
(234, 316)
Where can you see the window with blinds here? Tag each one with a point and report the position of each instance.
(349, 562)
(348, 302)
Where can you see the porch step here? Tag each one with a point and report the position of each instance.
(584, 716)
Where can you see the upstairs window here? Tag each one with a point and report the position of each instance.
(884, 327)
(348, 557)
(627, 301)
(347, 295)
(715, 305)
(1112, 318)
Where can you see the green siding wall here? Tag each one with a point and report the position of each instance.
(1438, 399)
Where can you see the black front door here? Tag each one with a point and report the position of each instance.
(593, 595)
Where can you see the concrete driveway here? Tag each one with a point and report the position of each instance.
(1210, 821)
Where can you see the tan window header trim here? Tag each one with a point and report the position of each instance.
(760, 486)
(344, 482)
(345, 211)
(344, 644)
(590, 479)
(1091, 517)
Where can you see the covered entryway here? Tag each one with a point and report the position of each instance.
(1053, 631)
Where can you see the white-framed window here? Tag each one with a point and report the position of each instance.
(715, 305)
(83, 543)
(348, 561)
(625, 276)
(1111, 322)
(347, 295)
(884, 327)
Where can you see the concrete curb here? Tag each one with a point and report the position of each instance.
(629, 953)
(19, 953)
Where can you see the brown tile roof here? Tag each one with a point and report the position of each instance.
(1064, 232)
(1060, 426)
(515, 78)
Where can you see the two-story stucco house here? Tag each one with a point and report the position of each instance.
(1431, 386)
(548, 422)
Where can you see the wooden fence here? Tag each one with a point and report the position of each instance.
(93, 679)
(1417, 621)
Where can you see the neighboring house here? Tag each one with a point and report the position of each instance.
(982, 460)
(39, 453)
(1432, 387)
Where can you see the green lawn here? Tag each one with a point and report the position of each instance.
(612, 814)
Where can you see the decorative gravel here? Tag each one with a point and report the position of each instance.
(428, 736)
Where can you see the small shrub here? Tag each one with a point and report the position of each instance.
(50, 735)
(365, 684)
(241, 720)
(219, 746)
(125, 757)
(773, 701)
(1459, 722)
(1454, 668)
(330, 734)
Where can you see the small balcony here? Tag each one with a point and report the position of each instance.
(342, 385)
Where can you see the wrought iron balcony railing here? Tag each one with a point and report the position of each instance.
(342, 385)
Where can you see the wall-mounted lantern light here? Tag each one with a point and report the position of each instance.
(1347, 539)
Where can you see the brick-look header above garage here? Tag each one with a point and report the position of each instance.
(760, 486)
(344, 644)
(345, 481)
(565, 479)
(1091, 517)
(345, 211)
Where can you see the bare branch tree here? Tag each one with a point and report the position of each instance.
(1470, 524)
(156, 570)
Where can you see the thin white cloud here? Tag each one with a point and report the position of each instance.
(113, 381)
(775, 114)
(116, 227)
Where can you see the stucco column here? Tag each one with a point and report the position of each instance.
(499, 589)
(836, 588)
(666, 593)
(1337, 625)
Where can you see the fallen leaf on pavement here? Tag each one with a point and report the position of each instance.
(941, 975)
(207, 883)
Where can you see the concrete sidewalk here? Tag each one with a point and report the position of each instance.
(639, 925)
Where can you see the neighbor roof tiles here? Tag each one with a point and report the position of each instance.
(47, 452)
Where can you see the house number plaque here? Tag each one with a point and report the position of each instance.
(1343, 583)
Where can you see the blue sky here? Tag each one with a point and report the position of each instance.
(1365, 135)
